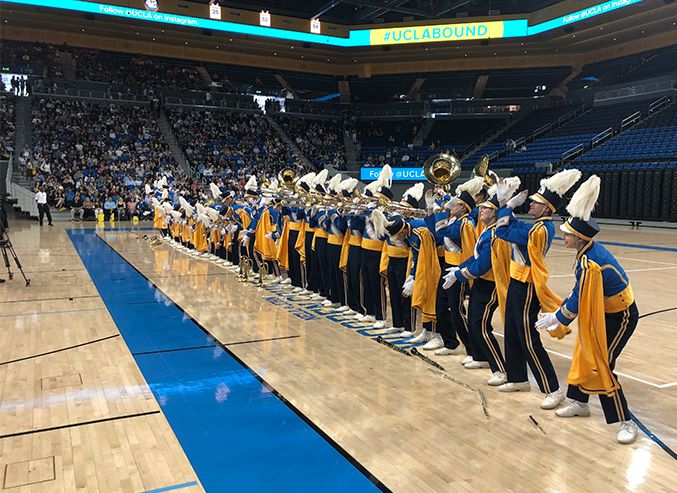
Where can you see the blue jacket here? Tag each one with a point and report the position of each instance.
(480, 263)
(614, 278)
(518, 232)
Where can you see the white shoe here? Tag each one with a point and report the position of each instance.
(444, 351)
(406, 333)
(368, 319)
(497, 378)
(553, 399)
(295, 290)
(286, 281)
(435, 343)
(466, 360)
(350, 312)
(395, 330)
(574, 408)
(358, 317)
(424, 336)
(305, 292)
(515, 387)
(316, 297)
(327, 303)
(277, 280)
(343, 309)
(379, 324)
(476, 365)
(628, 432)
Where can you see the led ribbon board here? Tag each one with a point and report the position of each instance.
(359, 37)
(399, 174)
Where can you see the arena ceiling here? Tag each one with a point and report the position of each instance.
(376, 11)
(640, 27)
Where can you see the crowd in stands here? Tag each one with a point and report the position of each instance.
(95, 157)
(136, 72)
(39, 59)
(230, 146)
(6, 125)
(321, 141)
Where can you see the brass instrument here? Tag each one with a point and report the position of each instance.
(287, 178)
(263, 272)
(245, 268)
(442, 169)
(482, 169)
(155, 240)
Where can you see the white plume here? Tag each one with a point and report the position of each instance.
(186, 207)
(165, 194)
(451, 203)
(333, 183)
(347, 185)
(155, 202)
(320, 178)
(175, 214)
(308, 178)
(212, 213)
(251, 183)
(379, 221)
(200, 208)
(216, 193)
(163, 181)
(167, 207)
(148, 189)
(373, 187)
(472, 186)
(385, 177)
(584, 199)
(513, 183)
(274, 185)
(561, 182)
(415, 192)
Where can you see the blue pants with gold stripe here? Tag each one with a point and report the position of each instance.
(619, 327)
(522, 341)
(483, 343)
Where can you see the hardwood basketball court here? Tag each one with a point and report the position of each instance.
(89, 402)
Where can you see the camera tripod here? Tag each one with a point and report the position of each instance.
(8, 250)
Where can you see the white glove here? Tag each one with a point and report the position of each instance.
(502, 191)
(233, 228)
(517, 200)
(408, 287)
(548, 321)
(436, 207)
(450, 278)
(245, 241)
(270, 236)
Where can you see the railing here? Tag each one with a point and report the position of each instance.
(601, 137)
(541, 130)
(658, 104)
(93, 95)
(630, 120)
(573, 152)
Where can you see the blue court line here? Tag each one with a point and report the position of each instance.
(633, 245)
(237, 431)
(172, 488)
(653, 437)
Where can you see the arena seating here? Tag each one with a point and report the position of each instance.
(100, 151)
(580, 130)
(231, 145)
(654, 139)
(445, 85)
(39, 59)
(135, 71)
(321, 141)
(6, 125)
(523, 82)
(380, 88)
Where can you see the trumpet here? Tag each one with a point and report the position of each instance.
(405, 211)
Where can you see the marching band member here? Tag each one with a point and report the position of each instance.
(352, 241)
(603, 301)
(457, 238)
(320, 241)
(304, 243)
(489, 257)
(335, 225)
(528, 291)
(374, 297)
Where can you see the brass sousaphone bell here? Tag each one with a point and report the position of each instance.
(287, 177)
(482, 169)
(442, 169)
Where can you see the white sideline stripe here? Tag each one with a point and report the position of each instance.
(657, 385)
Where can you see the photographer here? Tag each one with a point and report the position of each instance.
(43, 208)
